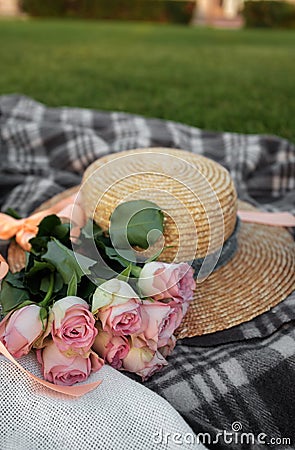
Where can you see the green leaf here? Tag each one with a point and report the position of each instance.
(11, 297)
(58, 282)
(65, 261)
(39, 245)
(16, 279)
(43, 316)
(72, 286)
(45, 283)
(50, 226)
(86, 289)
(135, 271)
(124, 275)
(136, 223)
(91, 230)
(25, 303)
(12, 213)
(62, 231)
(109, 262)
(99, 281)
(103, 271)
(39, 266)
(37, 276)
(113, 254)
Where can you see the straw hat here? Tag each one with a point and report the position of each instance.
(200, 204)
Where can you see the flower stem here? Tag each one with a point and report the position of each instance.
(47, 298)
(135, 270)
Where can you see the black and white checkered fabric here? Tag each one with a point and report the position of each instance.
(245, 374)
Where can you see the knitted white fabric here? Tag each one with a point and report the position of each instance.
(120, 414)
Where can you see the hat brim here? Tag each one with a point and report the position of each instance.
(259, 276)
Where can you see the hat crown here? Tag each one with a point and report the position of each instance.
(196, 194)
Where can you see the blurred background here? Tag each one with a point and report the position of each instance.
(215, 64)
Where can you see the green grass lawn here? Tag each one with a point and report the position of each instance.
(215, 79)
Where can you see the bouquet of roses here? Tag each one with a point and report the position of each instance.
(78, 312)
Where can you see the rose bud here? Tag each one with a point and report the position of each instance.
(163, 281)
(167, 349)
(159, 321)
(122, 319)
(60, 369)
(111, 293)
(72, 326)
(112, 349)
(143, 361)
(20, 329)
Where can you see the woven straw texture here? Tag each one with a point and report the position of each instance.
(261, 274)
(245, 373)
(193, 191)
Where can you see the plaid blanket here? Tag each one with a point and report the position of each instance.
(236, 381)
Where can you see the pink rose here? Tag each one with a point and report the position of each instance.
(143, 361)
(60, 369)
(163, 281)
(185, 307)
(112, 349)
(20, 329)
(167, 349)
(111, 293)
(159, 321)
(72, 326)
(122, 319)
(157, 363)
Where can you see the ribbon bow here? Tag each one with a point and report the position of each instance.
(25, 229)
(4, 267)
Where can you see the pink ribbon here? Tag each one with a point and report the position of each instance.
(70, 209)
(74, 391)
(4, 267)
(276, 219)
(24, 229)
